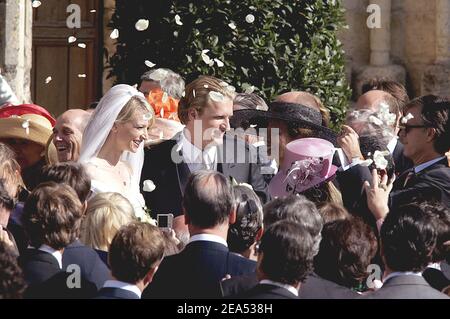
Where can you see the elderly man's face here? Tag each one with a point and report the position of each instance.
(28, 152)
(67, 137)
(147, 86)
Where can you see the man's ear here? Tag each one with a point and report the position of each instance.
(431, 134)
(232, 216)
(192, 114)
(149, 277)
(259, 233)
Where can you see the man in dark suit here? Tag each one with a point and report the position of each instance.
(408, 238)
(205, 110)
(196, 272)
(298, 209)
(51, 221)
(134, 256)
(425, 135)
(285, 259)
(74, 174)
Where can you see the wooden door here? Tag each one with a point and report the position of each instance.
(74, 71)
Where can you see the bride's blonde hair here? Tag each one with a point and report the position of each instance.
(134, 104)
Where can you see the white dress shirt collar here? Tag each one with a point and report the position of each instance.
(123, 285)
(208, 237)
(401, 273)
(392, 144)
(193, 155)
(422, 166)
(291, 289)
(55, 253)
(435, 266)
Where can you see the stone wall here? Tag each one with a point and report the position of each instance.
(15, 45)
(413, 38)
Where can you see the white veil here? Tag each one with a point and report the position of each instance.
(101, 123)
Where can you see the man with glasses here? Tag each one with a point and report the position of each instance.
(425, 134)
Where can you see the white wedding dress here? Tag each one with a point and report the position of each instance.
(95, 135)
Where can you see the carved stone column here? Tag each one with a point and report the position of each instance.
(15, 45)
(380, 48)
(436, 77)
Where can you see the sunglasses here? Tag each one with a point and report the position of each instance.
(406, 128)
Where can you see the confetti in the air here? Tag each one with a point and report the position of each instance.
(406, 118)
(48, 79)
(71, 39)
(149, 64)
(26, 126)
(178, 20)
(36, 4)
(232, 26)
(93, 11)
(114, 34)
(216, 96)
(250, 18)
(82, 75)
(219, 63)
(82, 45)
(141, 24)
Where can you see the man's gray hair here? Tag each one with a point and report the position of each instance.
(295, 208)
(170, 82)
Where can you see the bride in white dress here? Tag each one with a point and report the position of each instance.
(112, 148)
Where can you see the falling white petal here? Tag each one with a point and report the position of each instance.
(161, 113)
(82, 75)
(165, 97)
(206, 58)
(231, 88)
(48, 79)
(82, 45)
(375, 120)
(93, 11)
(406, 118)
(250, 89)
(36, 3)
(141, 24)
(178, 20)
(223, 83)
(379, 160)
(219, 63)
(232, 26)
(183, 94)
(114, 34)
(71, 39)
(149, 64)
(250, 18)
(148, 186)
(205, 86)
(216, 96)
(193, 93)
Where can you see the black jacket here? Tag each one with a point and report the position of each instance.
(47, 281)
(195, 272)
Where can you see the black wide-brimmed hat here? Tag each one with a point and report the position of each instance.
(293, 114)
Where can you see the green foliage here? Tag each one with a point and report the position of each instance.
(291, 45)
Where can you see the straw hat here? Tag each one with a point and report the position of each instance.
(31, 127)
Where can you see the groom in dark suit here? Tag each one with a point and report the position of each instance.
(205, 110)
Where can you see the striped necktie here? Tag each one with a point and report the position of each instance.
(411, 173)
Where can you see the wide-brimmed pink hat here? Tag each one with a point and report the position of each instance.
(307, 163)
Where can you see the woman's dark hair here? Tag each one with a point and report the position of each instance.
(371, 143)
(346, 249)
(249, 219)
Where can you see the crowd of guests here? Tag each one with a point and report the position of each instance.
(262, 200)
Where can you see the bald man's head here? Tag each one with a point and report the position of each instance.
(306, 99)
(68, 133)
(371, 100)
